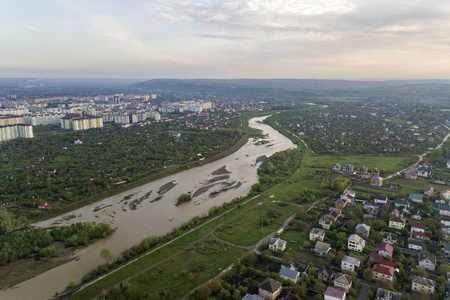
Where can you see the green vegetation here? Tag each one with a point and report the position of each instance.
(183, 198)
(249, 228)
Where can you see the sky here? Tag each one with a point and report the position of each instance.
(334, 39)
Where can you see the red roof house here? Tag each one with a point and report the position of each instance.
(44, 205)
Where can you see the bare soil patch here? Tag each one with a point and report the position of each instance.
(217, 178)
(167, 187)
(221, 171)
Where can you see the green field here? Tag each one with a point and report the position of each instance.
(246, 229)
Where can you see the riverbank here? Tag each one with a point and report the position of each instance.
(150, 219)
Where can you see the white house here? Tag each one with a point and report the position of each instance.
(423, 285)
(427, 261)
(316, 233)
(356, 243)
(343, 281)
(350, 263)
(418, 227)
(380, 199)
(415, 244)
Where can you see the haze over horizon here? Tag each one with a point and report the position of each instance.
(336, 39)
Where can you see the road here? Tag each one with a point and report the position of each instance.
(422, 155)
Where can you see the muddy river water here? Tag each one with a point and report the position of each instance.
(153, 213)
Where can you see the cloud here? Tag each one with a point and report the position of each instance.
(32, 28)
(223, 37)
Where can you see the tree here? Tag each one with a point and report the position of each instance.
(320, 286)
(420, 271)
(107, 255)
(183, 198)
(287, 257)
(350, 224)
(204, 292)
(440, 234)
(367, 274)
(300, 290)
(191, 276)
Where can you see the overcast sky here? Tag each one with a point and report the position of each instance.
(348, 39)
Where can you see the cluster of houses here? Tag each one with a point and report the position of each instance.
(383, 268)
(361, 172)
(423, 169)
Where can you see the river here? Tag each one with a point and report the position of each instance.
(153, 218)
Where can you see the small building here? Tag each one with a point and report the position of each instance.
(343, 281)
(444, 210)
(445, 220)
(363, 230)
(411, 174)
(333, 293)
(427, 260)
(376, 181)
(341, 202)
(380, 199)
(277, 244)
(336, 167)
(429, 191)
(383, 273)
(362, 170)
(356, 243)
(252, 297)
(397, 223)
(348, 169)
(322, 249)
(44, 205)
(385, 250)
(316, 233)
(375, 172)
(289, 274)
(332, 213)
(269, 289)
(325, 223)
(399, 203)
(389, 238)
(446, 194)
(385, 263)
(325, 274)
(447, 250)
(418, 198)
(424, 172)
(415, 244)
(418, 227)
(423, 285)
(383, 294)
(416, 214)
(350, 263)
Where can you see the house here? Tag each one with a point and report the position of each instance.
(252, 297)
(385, 250)
(322, 248)
(350, 194)
(333, 293)
(415, 244)
(336, 167)
(382, 273)
(332, 213)
(325, 223)
(427, 260)
(277, 244)
(445, 220)
(418, 235)
(446, 194)
(362, 229)
(383, 294)
(348, 169)
(385, 263)
(423, 285)
(396, 212)
(289, 274)
(356, 243)
(447, 250)
(269, 289)
(341, 202)
(343, 281)
(376, 181)
(424, 172)
(376, 257)
(51, 171)
(401, 203)
(316, 233)
(362, 170)
(440, 201)
(375, 172)
(444, 210)
(44, 205)
(429, 191)
(325, 274)
(425, 164)
(371, 209)
(350, 263)
(416, 214)
(175, 135)
(411, 174)
(77, 142)
(418, 198)
(397, 223)
(418, 227)
(389, 238)
(380, 199)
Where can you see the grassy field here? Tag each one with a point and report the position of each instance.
(246, 229)
(203, 264)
